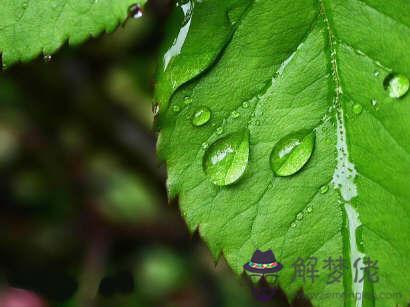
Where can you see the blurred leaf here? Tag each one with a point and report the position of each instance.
(159, 272)
(28, 28)
(123, 196)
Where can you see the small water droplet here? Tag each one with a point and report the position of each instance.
(292, 152)
(47, 58)
(324, 189)
(309, 209)
(245, 105)
(155, 109)
(204, 145)
(374, 102)
(219, 130)
(376, 73)
(188, 100)
(225, 161)
(201, 116)
(397, 85)
(357, 108)
(235, 114)
(299, 216)
(176, 109)
(293, 225)
(257, 122)
(135, 11)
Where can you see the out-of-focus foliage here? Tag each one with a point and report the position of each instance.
(84, 215)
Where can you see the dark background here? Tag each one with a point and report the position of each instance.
(84, 215)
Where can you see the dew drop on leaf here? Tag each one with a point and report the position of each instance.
(292, 152)
(201, 116)
(225, 161)
(176, 109)
(47, 58)
(299, 216)
(374, 102)
(324, 189)
(219, 130)
(309, 209)
(245, 105)
(155, 109)
(235, 114)
(357, 108)
(397, 85)
(376, 73)
(188, 100)
(135, 11)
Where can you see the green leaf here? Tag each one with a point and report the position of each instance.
(277, 69)
(30, 28)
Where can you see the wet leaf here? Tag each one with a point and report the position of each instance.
(279, 68)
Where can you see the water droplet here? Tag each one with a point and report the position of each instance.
(257, 122)
(357, 108)
(47, 58)
(176, 109)
(374, 102)
(299, 216)
(201, 116)
(292, 152)
(135, 11)
(397, 85)
(188, 100)
(225, 161)
(309, 209)
(359, 237)
(235, 114)
(155, 109)
(219, 130)
(245, 105)
(204, 145)
(376, 73)
(324, 189)
(293, 225)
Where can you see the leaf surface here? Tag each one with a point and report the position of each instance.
(32, 27)
(278, 69)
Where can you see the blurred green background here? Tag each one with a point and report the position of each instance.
(85, 219)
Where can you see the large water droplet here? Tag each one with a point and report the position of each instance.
(201, 116)
(225, 161)
(397, 85)
(292, 152)
(135, 11)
